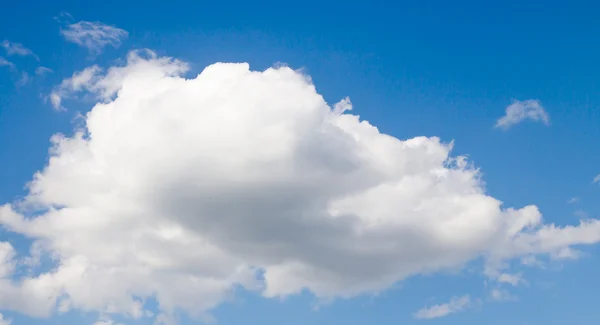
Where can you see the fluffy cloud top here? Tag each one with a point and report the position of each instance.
(94, 35)
(103, 87)
(184, 189)
(520, 111)
(455, 305)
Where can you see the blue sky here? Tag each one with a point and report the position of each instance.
(410, 69)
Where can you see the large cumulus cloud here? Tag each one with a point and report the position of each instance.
(184, 189)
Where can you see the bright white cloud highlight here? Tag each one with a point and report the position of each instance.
(596, 179)
(456, 304)
(520, 111)
(94, 35)
(17, 49)
(184, 189)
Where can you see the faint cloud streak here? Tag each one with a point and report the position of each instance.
(456, 304)
(17, 49)
(520, 111)
(94, 36)
(5, 63)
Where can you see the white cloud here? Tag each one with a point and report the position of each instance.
(495, 272)
(79, 81)
(17, 49)
(455, 305)
(185, 189)
(106, 322)
(532, 261)
(41, 71)
(573, 200)
(520, 111)
(24, 79)
(6, 259)
(502, 295)
(94, 35)
(566, 253)
(513, 279)
(4, 321)
(596, 179)
(5, 63)
(581, 214)
(104, 87)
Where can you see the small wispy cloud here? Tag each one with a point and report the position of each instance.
(596, 179)
(573, 200)
(79, 81)
(566, 254)
(513, 279)
(105, 322)
(4, 321)
(581, 214)
(520, 111)
(42, 71)
(93, 35)
(456, 304)
(24, 79)
(532, 261)
(12, 48)
(502, 295)
(5, 63)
